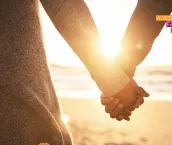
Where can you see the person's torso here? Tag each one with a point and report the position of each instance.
(23, 65)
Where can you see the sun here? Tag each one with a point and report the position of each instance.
(111, 37)
(111, 24)
(109, 48)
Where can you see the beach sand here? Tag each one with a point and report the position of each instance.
(151, 124)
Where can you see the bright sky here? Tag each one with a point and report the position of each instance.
(106, 13)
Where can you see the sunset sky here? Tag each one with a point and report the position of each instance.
(111, 17)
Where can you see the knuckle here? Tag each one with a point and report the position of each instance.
(103, 102)
(115, 102)
(120, 106)
(132, 108)
(119, 119)
(107, 110)
(112, 115)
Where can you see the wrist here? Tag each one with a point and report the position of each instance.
(125, 64)
(109, 79)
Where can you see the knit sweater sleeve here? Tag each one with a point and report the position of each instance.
(141, 32)
(75, 23)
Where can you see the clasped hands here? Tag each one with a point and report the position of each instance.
(120, 93)
(121, 105)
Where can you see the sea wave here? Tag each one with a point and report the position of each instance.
(77, 81)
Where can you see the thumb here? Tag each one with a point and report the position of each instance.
(141, 92)
(106, 100)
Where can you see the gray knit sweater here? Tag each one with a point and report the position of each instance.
(29, 108)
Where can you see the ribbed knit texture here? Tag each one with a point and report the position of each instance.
(29, 108)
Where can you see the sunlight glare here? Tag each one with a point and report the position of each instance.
(65, 118)
(108, 49)
(111, 18)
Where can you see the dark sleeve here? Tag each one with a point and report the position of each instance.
(141, 32)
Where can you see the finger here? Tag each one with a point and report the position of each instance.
(127, 118)
(140, 91)
(122, 116)
(132, 108)
(111, 106)
(106, 101)
(139, 101)
(119, 118)
(146, 94)
(116, 111)
(127, 112)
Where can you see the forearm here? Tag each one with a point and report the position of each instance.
(141, 32)
(73, 20)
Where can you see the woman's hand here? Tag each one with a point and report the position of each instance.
(117, 105)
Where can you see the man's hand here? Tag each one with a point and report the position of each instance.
(113, 105)
(124, 99)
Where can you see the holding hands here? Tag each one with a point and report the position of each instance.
(121, 105)
(120, 93)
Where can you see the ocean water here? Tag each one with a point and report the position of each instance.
(76, 82)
